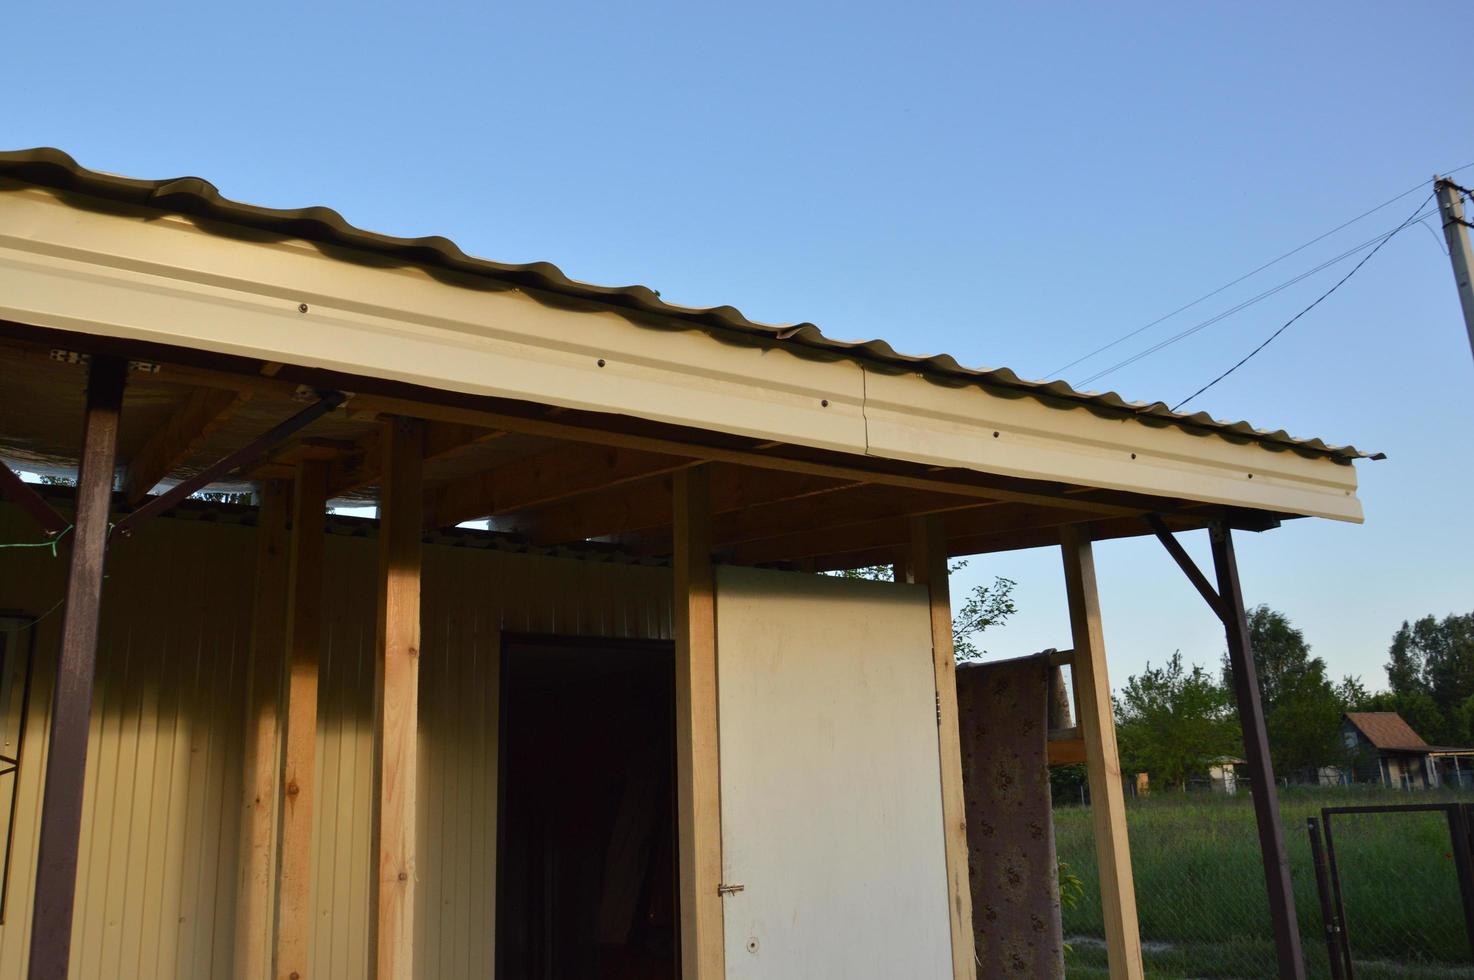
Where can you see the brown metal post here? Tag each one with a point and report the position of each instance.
(1256, 749)
(71, 700)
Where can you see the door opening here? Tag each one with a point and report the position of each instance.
(586, 855)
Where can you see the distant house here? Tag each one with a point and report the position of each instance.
(1385, 749)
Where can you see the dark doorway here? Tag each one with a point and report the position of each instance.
(586, 858)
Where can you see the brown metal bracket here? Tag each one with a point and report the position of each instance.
(19, 492)
(1189, 567)
(245, 456)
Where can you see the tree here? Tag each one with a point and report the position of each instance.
(1435, 658)
(1173, 722)
(1304, 727)
(985, 606)
(1280, 654)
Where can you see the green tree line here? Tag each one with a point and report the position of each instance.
(1174, 720)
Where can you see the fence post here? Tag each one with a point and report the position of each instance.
(1327, 909)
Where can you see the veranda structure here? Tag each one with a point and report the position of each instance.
(289, 766)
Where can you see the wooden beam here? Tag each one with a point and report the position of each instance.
(546, 477)
(1010, 539)
(893, 534)
(204, 410)
(294, 918)
(362, 464)
(24, 496)
(71, 697)
(698, 781)
(646, 505)
(239, 459)
(1066, 752)
(1098, 726)
(261, 760)
(1189, 567)
(929, 568)
(397, 685)
(1256, 751)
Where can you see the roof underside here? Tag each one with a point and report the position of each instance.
(195, 197)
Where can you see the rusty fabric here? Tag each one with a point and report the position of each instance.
(1003, 709)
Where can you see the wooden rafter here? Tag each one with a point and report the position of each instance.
(204, 410)
(544, 478)
(646, 504)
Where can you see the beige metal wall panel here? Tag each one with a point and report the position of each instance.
(159, 850)
(136, 275)
(831, 791)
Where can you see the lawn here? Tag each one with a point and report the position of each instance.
(1200, 886)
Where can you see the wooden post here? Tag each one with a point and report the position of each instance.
(1103, 764)
(929, 568)
(1256, 751)
(71, 699)
(697, 776)
(397, 685)
(262, 756)
(294, 918)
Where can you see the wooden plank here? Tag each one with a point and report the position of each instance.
(1276, 860)
(397, 679)
(21, 493)
(928, 566)
(543, 478)
(646, 505)
(71, 697)
(294, 918)
(1066, 752)
(362, 464)
(204, 410)
(1189, 567)
(1098, 726)
(698, 781)
(261, 759)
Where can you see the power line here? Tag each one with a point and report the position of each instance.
(1275, 261)
(1377, 241)
(1364, 260)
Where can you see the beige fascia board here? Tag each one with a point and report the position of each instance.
(141, 276)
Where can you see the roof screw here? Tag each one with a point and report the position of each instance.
(823, 403)
(601, 362)
(995, 435)
(301, 307)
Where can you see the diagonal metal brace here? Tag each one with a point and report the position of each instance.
(243, 457)
(1189, 567)
(20, 493)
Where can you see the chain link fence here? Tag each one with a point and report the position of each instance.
(1200, 884)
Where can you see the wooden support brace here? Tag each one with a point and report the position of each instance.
(1098, 725)
(294, 918)
(204, 410)
(698, 783)
(1256, 751)
(261, 761)
(239, 459)
(928, 566)
(401, 503)
(20, 493)
(1188, 566)
(71, 699)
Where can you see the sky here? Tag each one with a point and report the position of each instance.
(1014, 184)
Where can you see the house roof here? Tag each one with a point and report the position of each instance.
(196, 197)
(1387, 730)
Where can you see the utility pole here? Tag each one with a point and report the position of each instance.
(1456, 230)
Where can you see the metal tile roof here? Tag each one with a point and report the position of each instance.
(1387, 730)
(194, 196)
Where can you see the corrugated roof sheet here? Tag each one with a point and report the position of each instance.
(1387, 730)
(194, 196)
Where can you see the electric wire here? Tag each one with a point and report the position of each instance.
(1275, 261)
(1288, 323)
(1266, 294)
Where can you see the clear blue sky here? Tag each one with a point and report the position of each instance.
(1014, 185)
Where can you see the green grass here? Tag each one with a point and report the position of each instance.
(1200, 886)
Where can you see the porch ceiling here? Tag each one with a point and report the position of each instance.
(544, 475)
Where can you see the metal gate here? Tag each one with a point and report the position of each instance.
(1338, 930)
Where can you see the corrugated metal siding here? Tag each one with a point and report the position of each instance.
(158, 871)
